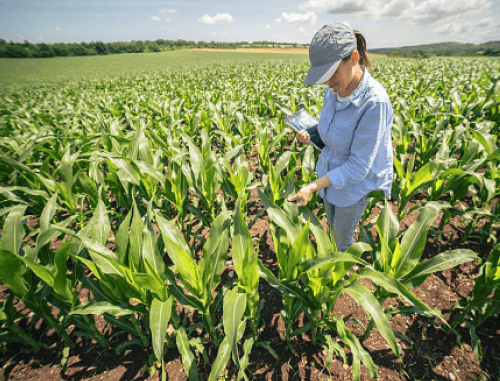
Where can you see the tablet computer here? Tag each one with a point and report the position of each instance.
(302, 120)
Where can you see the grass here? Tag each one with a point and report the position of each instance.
(270, 49)
(25, 72)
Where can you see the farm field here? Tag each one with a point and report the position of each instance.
(144, 225)
(278, 50)
(18, 73)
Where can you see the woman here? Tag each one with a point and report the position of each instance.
(355, 124)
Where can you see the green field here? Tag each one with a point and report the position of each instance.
(16, 73)
(148, 194)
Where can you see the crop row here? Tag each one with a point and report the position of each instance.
(144, 183)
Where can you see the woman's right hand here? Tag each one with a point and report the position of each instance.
(303, 137)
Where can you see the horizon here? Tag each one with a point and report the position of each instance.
(239, 42)
(385, 24)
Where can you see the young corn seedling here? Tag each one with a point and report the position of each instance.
(274, 184)
(407, 184)
(234, 327)
(311, 281)
(238, 177)
(176, 191)
(245, 261)
(135, 271)
(200, 279)
(395, 261)
(480, 305)
(205, 176)
(266, 145)
(26, 273)
(9, 330)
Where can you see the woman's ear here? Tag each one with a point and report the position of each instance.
(355, 55)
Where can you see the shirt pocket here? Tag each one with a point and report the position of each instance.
(341, 135)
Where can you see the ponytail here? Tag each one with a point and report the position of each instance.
(363, 55)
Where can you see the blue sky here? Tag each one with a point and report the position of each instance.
(389, 23)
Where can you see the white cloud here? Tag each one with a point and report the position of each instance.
(448, 28)
(471, 31)
(467, 20)
(220, 18)
(421, 12)
(432, 11)
(58, 28)
(168, 19)
(350, 7)
(168, 10)
(395, 8)
(155, 18)
(268, 26)
(296, 18)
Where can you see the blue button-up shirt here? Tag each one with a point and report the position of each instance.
(357, 157)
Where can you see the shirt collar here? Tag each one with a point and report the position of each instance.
(355, 97)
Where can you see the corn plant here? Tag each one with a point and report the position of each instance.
(266, 145)
(205, 175)
(28, 276)
(135, 271)
(274, 184)
(308, 157)
(409, 183)
(200, 279)
(238, 177)
(311, 281)
(10, 330)
(395, 260)
(483, 301)
(245, 260)
(234, 309)
(176, 192)
(457, 177)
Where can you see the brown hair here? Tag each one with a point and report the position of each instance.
(361, 48)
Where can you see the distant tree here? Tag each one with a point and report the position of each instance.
(138, 46)
(154, 47)
(89, 49)
(45, 50)
(492, 52)
(60, 50)
(13, 51)
(101, 48)
(77, 50)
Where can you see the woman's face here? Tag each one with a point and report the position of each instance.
(346, 78)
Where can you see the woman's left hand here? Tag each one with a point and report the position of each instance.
(302, 196)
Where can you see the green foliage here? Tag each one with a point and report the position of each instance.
(145, 182)
(483, 301)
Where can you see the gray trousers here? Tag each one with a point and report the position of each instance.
(343, 221)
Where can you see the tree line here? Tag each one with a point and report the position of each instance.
(27, 49)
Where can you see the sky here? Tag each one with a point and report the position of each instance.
(389, 23)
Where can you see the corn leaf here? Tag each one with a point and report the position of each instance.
(159, 317)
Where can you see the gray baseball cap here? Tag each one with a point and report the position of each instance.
(328, 46)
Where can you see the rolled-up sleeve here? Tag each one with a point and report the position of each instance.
(366, 141)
